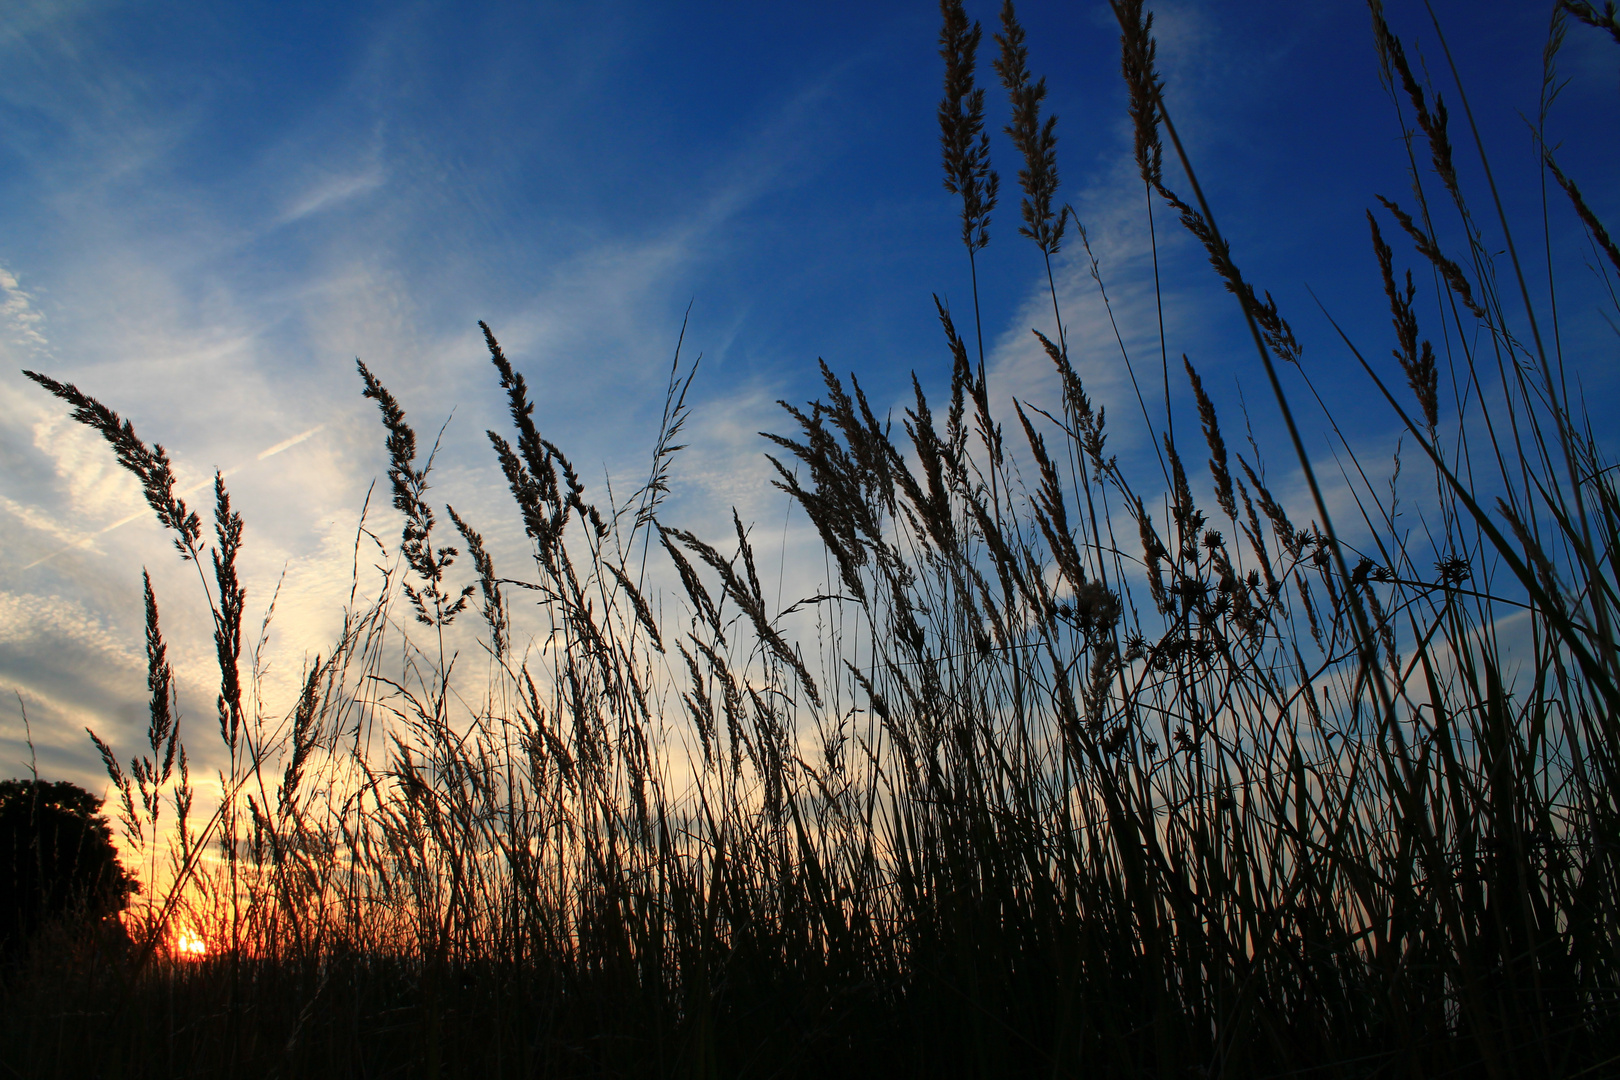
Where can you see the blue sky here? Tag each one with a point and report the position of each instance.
(208, 211)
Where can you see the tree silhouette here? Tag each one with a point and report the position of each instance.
(57, 861)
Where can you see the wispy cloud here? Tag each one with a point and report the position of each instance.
(24, 322)
(78, 541)
(332, 191)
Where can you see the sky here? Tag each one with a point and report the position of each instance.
(209, 211)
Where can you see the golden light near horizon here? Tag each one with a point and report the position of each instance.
(189, 946)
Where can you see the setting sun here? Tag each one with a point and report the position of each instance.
(190, 946)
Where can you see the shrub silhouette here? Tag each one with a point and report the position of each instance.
(57, 861)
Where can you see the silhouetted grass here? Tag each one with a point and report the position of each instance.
(1062, 788)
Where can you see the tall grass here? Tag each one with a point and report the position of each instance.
(1081, 775)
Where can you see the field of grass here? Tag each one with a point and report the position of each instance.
(1072, 775)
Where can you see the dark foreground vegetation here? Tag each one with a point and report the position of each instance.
(1064, 775)
(59, 870)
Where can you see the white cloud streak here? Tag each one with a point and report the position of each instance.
(333, 191)
(23, 321)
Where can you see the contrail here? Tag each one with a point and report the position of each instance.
(192, 490)
(286, 443)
